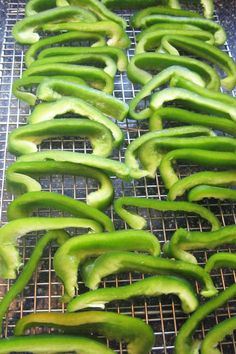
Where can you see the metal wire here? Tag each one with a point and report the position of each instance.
(44, 291)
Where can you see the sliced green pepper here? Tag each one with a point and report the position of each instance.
(184, 343)
(219, 260)
(24, 31)
(138, 222)
(135, 332)
(24, 206)
(153, 286)
(184, 240)
(208, 6)
(53, 89)
(33, 7)
(47, 111)
(19, 178)
(24, 140)
(120, 262)
(74, 252)
(139, 4)
(201, 192)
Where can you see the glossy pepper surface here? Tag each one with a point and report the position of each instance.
(221, 260)
(139, 4)
(204, 191)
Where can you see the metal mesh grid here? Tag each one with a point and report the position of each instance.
(44, 291)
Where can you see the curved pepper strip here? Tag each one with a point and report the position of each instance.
(24, 140)
(139, 4)
(23, 207)
(220, 260)
(140, 64)
(26, 273)
(47, 111)
(137, 334)
(133, 148)
(180, 115)
(201, 192)
(25, 31)
(160, 79)
(59, 343)
(116, 34)
(9, 233)
(153, 286)
(206, 52)
(33, 7)
(184, 343)
(120, 262)
(216, 335)
(35, 49)
(116, 54)
(53, 89)
(184, 240)
(138, 222)
(74, 252)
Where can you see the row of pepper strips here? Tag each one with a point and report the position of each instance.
(104, 135)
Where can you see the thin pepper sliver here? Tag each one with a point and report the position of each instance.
(204, 191)
(221, 260)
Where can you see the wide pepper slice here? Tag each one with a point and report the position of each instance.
(120, 262)
(204, 191)
(24, 140)
(149, 287)
(25, 31)
(139, 4)
(137, 334)
(74, 252)
(221, 260)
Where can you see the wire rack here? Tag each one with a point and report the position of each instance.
(44, 291)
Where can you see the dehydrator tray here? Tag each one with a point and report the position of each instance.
(44, 290)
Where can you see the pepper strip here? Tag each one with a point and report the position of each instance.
(31, 53)
(24, 140)
(24, 31)
(219, 260)
(138, 222)
(76, 250)
(53, 344)
(137, 334)
(180, 115)
(120, 262)
(53, 89)
(140, 63)
(133, 148)
(116, 34)
(184, 240)
(33, 7)
(9, 233)
(139, 4)
(23, 207)
(26, 273)
(47, 111)
(201, 192)
(206, 52)
(184, 344)
(116, 54)
(216, 335)
(150, 287)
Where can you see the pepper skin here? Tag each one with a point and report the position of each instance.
(208, 7)
(74, 252)
(221, 260)
(184, 240)
(201, 192)
(21, 178)
(24, 140)
(24, 31)
(9, 233)
(53, 89)
(137, 334)
(120, 262)
(139, 4)
(184, 344)
(24, 206)
(33, 7)
(153, 286)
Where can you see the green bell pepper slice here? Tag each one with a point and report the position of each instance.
(137, 334)
(69, 257)
(139, 4)
(53, 89)
(201, 192)
(183, 241)
(47, 111)
(25, 31)
(24, 140)
(220, 260)
(184, 343)
(208, 7)
(24, 206)
(21, 176)
(33, 7)
(120, 262)
(149, 287)
(138, 222)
